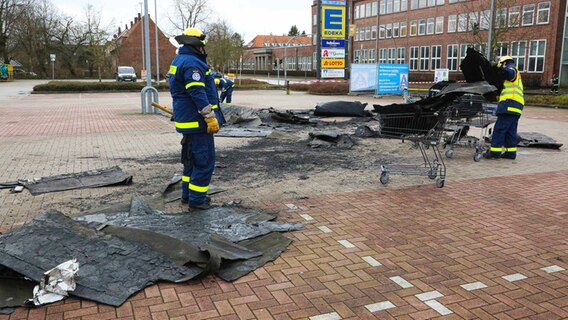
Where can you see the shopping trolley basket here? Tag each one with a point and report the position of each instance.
(424, 129)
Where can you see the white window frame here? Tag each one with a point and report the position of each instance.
(356, 56)
(424, 58)
(439, 25)
(403, 30)
(375, 8)
(515, 12)
(403, 5)
(368, 9)
(536, 57)
(391, 56)
(414, 58)
(421, 27)
(501, 18)
(435, 57)
(462, 22)
(463, 50)
(484, 20)
(396, 6)
(383, 55)
(372, 56)
(539, 10)
(368, 33)
(383, 7)
(452, 57)
(473, 19)
(528, 11)
(373, 32)
(382, 31)
(430, 26)
(520, 57)
(413, 4)
(388, 30)
(389, 6)
(413, 28)
(362, 13)
(395, 30)
(452, 23)
(400, 55)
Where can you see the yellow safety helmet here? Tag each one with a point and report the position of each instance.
(504, 59)
(193, 37)
(217, 81)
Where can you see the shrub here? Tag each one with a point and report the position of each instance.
(299, 87)
(338, 88)
(561, 100)
(84, 86)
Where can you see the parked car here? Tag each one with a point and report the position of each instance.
(126, 73)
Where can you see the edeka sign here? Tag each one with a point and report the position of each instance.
(333, 63)
(392, 79)
(333, 24)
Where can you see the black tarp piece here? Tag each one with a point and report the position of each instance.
(241, 116)
(110, 269)
(475, 67)
(88, 179)
(292, 117)
(341, 109)
(537, 140)
(330, 138)
(10, 184)
(15, 290)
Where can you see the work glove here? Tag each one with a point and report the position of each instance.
(209, 116)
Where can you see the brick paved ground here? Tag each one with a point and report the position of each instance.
(406, 241)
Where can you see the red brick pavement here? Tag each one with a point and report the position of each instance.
(436, 239)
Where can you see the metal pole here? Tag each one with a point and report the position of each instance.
(564, 44)
(148, 62)
(157, 46)
(52, 70)
(490, 33)
(346, 30)
(278, 68)
(142, 39)
(318, 44)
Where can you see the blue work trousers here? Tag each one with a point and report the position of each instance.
(198, 159)
(504, 138)
(227, 94)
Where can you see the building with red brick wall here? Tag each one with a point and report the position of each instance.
(264, 51)
(127, 48)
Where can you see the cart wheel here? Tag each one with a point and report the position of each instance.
(440, 183)
(477, 157)
(449, 153)
(384, 178)
(432, 174)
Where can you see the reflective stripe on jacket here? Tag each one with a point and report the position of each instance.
(512, 98)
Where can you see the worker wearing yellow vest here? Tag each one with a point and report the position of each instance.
(509, 110)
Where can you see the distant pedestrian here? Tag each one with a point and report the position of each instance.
(555, 85)
(227, 86)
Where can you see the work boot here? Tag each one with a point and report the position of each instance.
(186, 201)
(490, 155)
(509, 156)
(203, 206)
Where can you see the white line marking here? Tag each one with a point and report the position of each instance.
(370, 260)
(514, 277)
(438, 307)
(474, 286)
(401, 282)
(307, 217)
(553, 269)
(380, 306)
(431, 295)
(292, 206)
(327, 316)
(325, 229)
(346, 244)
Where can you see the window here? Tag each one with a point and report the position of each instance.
(452, 23)
(501, 49)
(473, 21)
(514, 16)
(528, 14)
(361, 34)
(413, 4)
(422, 3)
(392, 55)
(484, 20)
(421, 27)
(382, 31)
(363, 56)
(382, 7)
(356, 38)
(395, 30)
(439, 25)
(372, 56)
(440, 2)
(315, 20)
(431, 3)
(375, 9)
(357, 56)
(362, 13)
(424, 58)
(396, 6)
(389, 30)
(518, 53)
(367, 33)
(403, 29)
(373, 32)
(403, 5)
(389, 6)
(537, 49)
(413, 27)
(462, 22)
(413, 58)
(463, 51)
(368, 9)
(436, 62)
(543, 13)
(452, 58)
(430, 26)
(401, 55)
(501, 18)
(383, 55)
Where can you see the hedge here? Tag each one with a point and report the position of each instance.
(84, 86)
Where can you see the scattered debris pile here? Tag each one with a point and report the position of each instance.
(120, 253)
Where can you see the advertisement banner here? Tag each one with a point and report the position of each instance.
(328, 43)
(333, 22)
(441, 75)
(363, 77)
(333, 73)
(333, 53)
(392, 78)
(332, 63)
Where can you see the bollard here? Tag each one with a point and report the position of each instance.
(148, 95)
(287, 87)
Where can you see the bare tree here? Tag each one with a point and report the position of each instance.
(188, 13)
(69, 41)
(96, 40)
(10, 12)
(223, 46)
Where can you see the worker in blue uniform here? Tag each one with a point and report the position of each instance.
(196, 115)
(227, 86)
(509, 110)
(555, 85)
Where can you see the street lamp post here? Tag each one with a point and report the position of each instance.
(52, 58)
(156, 35)
(285, 62)
(490, 32)
(142, 37)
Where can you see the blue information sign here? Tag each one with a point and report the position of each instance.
(363, 77)
(333, 3)
(393, 78)
(332, 43)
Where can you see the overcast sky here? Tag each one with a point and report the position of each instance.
(247, 17)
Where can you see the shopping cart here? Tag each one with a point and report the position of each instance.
(424, 129)
(469, 111)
